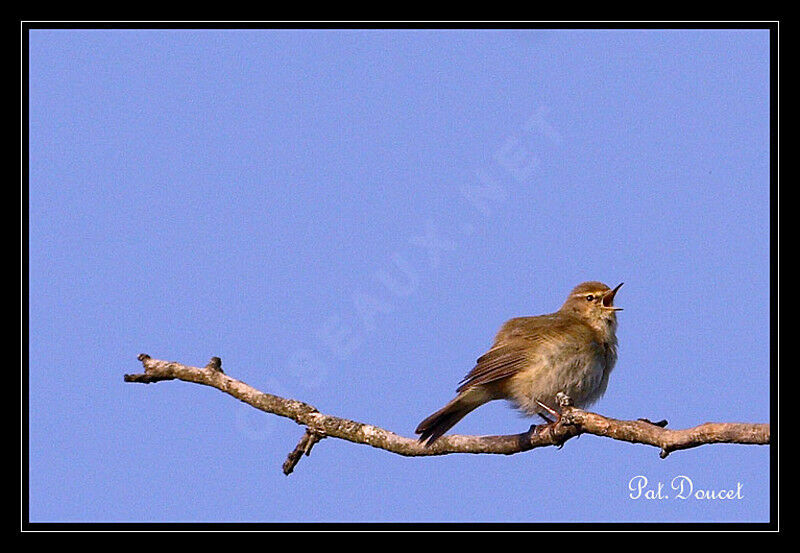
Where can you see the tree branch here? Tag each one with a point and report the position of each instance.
(573, 422)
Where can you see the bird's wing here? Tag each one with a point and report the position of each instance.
(499, 362)
(516, 344)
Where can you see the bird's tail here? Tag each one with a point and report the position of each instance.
(433, 427)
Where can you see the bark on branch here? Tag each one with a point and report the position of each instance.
(573, 422)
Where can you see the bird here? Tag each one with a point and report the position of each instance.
(571, 351)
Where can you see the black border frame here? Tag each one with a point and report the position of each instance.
(26, 526)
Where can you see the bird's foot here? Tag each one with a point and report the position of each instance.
(564, 400)
(551, 411)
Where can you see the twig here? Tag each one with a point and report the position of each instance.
(573, 422)
(310, 437)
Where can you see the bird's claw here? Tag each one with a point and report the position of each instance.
(550, 410)
(563, 400)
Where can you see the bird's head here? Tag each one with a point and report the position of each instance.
(593, 301)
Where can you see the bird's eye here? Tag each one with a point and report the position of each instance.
(589, 297)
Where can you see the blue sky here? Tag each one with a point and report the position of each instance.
(346, 218)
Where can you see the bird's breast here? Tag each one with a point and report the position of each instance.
(580, 372)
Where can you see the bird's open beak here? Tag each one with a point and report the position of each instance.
(608, 299)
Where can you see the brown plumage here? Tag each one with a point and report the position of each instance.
(533, 358)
